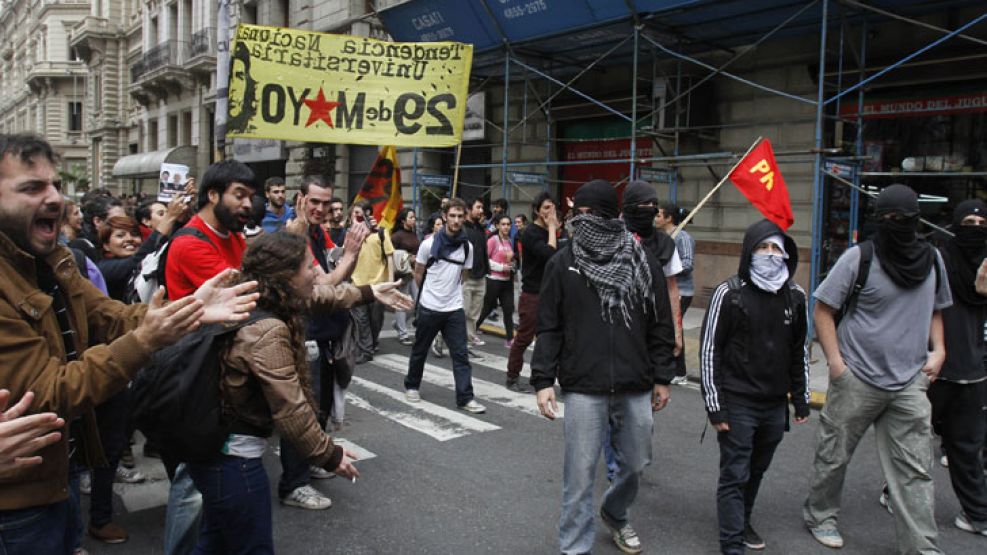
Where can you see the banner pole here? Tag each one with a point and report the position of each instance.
(455, 175)
(709, 195)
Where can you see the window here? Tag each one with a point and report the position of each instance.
(186, 128)
(97, 81)
(75, 117)
(172, 130)
(152, 134)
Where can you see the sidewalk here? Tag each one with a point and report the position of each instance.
(693, 321)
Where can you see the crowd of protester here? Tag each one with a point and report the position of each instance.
(309, 281)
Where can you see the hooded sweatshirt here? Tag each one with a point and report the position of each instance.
(753, 349)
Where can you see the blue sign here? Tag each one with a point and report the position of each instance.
(520, 20)
(428, 180)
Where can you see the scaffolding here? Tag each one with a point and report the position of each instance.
(658, 33)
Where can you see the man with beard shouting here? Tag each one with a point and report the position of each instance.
(880, 367)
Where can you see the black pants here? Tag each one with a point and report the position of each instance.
(958, 415)
(746, 450)
(113, 419)
(503, 291)
(684, 303)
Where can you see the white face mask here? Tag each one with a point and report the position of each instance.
(769, 271)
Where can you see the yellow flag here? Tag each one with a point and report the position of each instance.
(386, 172)
(299, 85)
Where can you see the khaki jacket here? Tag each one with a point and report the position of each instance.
(261, 386)
(32, 358)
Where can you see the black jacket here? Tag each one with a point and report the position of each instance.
(477, 234)
(535, 252)
(589, 354)
(753, 349)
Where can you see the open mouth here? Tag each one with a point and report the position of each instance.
(46, 227)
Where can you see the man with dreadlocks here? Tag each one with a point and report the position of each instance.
(605, 328)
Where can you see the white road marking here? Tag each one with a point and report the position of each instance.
(447, 423)
(485, 391)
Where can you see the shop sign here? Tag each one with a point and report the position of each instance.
(919, 107)
(258, 150)
(656, 175)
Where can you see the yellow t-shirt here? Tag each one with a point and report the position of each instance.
(371, 265)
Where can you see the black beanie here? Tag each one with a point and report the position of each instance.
(897, 198)
(973, 206)
(639, 192)
(598, 195)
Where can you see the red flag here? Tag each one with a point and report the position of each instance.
(383, 187)
(759, 179)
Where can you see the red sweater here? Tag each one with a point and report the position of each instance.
(192, 261)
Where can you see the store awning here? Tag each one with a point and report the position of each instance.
(147, 165)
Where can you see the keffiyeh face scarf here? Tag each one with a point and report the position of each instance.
(614, 263)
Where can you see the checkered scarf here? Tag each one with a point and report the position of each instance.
(614, 263)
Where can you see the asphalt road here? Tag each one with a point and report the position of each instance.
(436, 480)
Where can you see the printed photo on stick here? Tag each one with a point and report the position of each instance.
(172, 181)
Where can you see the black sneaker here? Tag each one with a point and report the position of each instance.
(516, 386)
(752, 540)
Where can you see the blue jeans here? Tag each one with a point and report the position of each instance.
(453, 328)
(47, 530)
(182, 515)
(629, 418)
(746, 451)
(236, 516)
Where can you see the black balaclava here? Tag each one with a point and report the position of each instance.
(906, 258)
(965, 252)
(598, 195)
(641, 220)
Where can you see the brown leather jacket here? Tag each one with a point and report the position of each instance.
(32, 358)
(261, 386)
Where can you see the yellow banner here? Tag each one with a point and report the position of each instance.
(298, 85)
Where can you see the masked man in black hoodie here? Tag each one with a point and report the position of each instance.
(959, 395)
(882, 358)
(605, 328)
(753, 355)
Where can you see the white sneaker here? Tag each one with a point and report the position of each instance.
(307, 497)
(477, 342)
(128, 476)
(963, 523)
(437, 350)
(86, 483)
(319, 473)
(412, 396)
(474, 407)
(680, 380)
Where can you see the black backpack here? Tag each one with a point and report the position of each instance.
(176, 397)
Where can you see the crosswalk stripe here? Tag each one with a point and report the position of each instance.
(497, 362)
(361, 453)
(448, 424)
(484, 390)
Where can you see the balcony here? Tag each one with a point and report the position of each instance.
(89, 33)
(41, 74)
(202, 53)
(159, 72)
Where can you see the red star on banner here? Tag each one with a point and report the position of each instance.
(319, 109)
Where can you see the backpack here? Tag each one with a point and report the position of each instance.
(432, 260)
(863, 270)
(177, 398)
(151, 274)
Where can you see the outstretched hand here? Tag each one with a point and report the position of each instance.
(22, 436)
(224, 302)
(298, 225)
(388, 294)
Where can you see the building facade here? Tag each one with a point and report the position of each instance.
(42, 80)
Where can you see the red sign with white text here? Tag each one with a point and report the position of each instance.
(919, 107)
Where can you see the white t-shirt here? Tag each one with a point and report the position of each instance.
(443, 288)
(674, 265)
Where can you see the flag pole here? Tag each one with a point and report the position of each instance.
(455, 175)
(709, 195)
